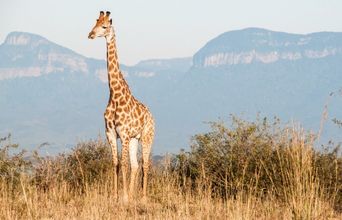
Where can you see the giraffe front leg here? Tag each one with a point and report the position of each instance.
(112, 139)
(124, 166)
(133, 150)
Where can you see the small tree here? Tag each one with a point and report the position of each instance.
(12, 165)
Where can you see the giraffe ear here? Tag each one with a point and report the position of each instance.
(110, 21)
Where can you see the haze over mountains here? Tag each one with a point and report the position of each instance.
(49, 93)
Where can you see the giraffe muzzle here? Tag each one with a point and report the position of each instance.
(91, 35)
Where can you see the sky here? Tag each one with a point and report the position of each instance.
(147, 29)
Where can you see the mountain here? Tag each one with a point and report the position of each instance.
(28, 55)
(52, 94)
(254, 45)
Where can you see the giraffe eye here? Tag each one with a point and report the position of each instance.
(104, 27)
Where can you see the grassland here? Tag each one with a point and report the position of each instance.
(248, 170)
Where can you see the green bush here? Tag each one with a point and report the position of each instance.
(230, 158)
(12, 165)
(262, 157)
(84, 165)
(328, 163)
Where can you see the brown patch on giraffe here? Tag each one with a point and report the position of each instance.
(119, 110)
(116, 102)
(117, 95)
(110, 124)
(118, 123)
(111, 116)
(138, 111)
(117, 87)
(106, 113)
(141, 120)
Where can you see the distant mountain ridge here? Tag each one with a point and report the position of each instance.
(29, 55)
(260, 45)
(24, 54)
(50, 93)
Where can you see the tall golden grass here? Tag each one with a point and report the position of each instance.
(68, 186)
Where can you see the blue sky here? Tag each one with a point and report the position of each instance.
(162, 28)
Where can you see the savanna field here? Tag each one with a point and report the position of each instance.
(171, 110)
(241, 170)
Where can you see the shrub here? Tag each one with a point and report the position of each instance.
(12, 165)
(231, 158)
(87, 163)
(264, 159)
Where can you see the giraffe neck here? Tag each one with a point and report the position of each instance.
(115, 78)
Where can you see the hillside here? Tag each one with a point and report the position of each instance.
(256, 45)
(52, 94)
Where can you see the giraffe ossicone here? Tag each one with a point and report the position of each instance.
(125, 117)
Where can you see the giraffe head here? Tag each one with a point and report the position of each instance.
(103, 26)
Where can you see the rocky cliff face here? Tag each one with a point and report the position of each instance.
(263, 46)
(24, 55)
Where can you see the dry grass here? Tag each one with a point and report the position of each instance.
(167, 201)
(97, 203)
(295, 187)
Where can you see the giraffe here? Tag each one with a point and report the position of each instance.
(125, 117)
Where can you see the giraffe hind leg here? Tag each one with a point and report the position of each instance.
(146, 142)
(133, 151)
